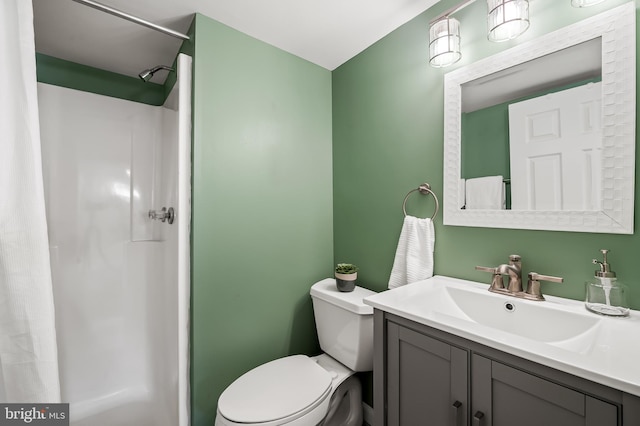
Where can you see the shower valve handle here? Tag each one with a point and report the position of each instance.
(163, 215)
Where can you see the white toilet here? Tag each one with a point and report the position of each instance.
(307, 391)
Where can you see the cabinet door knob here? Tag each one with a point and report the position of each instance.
(456, 412)
(477, 418)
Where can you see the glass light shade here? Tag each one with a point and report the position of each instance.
(584, 3)
(444, 42)
(507, 19)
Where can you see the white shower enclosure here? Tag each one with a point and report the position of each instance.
(120, 278)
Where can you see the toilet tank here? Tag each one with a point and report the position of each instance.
(344, 324)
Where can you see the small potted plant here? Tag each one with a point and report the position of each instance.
(346, 275)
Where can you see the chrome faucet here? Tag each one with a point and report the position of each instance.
(514, 288)
(514, 269)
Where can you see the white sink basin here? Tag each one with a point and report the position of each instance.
(557, 332)
(534, 320)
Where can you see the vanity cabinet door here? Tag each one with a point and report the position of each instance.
(505, 396)
(427, 380)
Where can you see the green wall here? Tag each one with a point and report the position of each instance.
(262, 206)
(59, 72)
(388, 138)
(484, 149)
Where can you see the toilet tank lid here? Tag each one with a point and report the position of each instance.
(275, 390)
(352, 301)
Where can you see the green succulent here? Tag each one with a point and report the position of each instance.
(346, 268)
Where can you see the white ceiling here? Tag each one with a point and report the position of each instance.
(325, 32)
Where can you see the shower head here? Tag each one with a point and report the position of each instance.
(148, 73)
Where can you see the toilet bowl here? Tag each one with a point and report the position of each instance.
(293, 391)
(307, 391)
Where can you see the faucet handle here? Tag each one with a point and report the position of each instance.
(539, 277)
(533, 285)
(496, 281)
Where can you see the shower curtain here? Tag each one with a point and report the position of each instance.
(28, 352)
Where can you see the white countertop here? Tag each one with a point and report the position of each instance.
(558, 332)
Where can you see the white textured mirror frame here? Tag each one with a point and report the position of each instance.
(616, 28)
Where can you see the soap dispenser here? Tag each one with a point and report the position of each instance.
(605, 294)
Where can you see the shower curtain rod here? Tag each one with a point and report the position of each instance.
(128, 17)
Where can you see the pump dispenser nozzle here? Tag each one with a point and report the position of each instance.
(605, 269)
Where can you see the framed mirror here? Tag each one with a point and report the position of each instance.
(542, 135)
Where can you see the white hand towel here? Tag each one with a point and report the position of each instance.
(414, 255)
(485, 193)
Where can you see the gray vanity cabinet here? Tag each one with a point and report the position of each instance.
(424, 376)
(427, 380)
(506, 396)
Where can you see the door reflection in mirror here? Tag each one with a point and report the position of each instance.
(538, 125)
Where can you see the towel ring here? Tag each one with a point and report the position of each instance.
(425, 189)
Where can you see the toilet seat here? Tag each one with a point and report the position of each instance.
(277, 392)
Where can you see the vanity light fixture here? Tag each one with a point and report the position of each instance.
(444, 37)
(507, 19)
(585, 3)
(444, 42)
